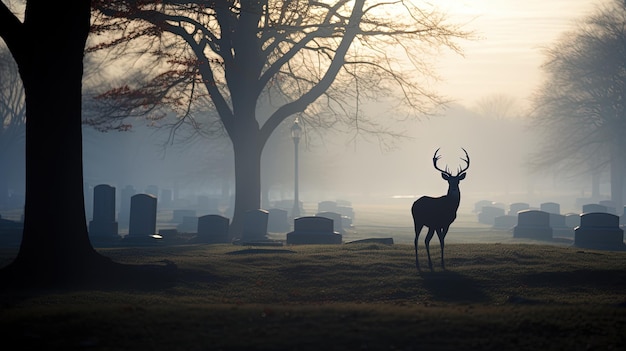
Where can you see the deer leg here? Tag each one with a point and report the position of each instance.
(441, 233)
(418, 229)
(429, 236)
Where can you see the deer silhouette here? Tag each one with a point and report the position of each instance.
(437, 213)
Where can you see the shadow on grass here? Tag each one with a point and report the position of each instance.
(259, 251)
(451, 286)
(97, 274)
(608, 280)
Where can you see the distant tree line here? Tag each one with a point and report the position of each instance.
(580, 109)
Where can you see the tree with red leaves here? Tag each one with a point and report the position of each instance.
(315, 60)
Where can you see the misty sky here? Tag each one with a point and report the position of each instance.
(507, 56)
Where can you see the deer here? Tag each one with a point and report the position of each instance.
(438, 213)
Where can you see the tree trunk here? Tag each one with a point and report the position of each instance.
(595, 185)
(55, 244)
(4, 189)
(247, 181)
(617, 178)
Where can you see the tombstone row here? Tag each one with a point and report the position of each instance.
(488, 211)
(597, 230)
(103, 228)
(596, 227)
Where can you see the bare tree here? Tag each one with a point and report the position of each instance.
(321, 60)
(497, 106)
(580, 107)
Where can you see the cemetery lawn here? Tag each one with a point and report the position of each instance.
(337, 297)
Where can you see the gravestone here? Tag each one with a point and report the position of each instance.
(212, 229)
(478, 206)
(622, 218)
(345, 211)
(143, 208)
(550, 207)
(559, 226)
(610, 206)
(255, 225)
(189, 224)
(599, 231)
(588, 208)
(346, 222)
(178, 215)
(516, 207)
(103, 226)
(533, 224)
(572, 220)
(488, 214)
(505, 222)
(327, 206)
(313, 230)
(278, 221)
(124, 215)
(337, 220)
(344, 203)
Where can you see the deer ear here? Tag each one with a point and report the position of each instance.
(462, 176)
(445, 176)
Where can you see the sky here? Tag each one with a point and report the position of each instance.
(506, 58)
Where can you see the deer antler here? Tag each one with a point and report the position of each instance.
(461, 170)
(467, 160)
(435, 159)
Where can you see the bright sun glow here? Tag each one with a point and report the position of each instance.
(506, 57)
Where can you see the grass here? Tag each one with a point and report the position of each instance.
(493, 296)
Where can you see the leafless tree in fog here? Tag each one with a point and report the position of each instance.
(320, 60)
(497, 106)
(580, 108)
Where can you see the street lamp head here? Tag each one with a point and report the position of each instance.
(296, 130)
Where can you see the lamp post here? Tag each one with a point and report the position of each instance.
(296, 133)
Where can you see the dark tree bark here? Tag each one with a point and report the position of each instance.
(247, 174)
(48, 47)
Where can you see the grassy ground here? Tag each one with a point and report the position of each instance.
(495, 296)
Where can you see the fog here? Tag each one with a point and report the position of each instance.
(338, 166)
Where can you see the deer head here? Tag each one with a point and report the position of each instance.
(453, 180)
